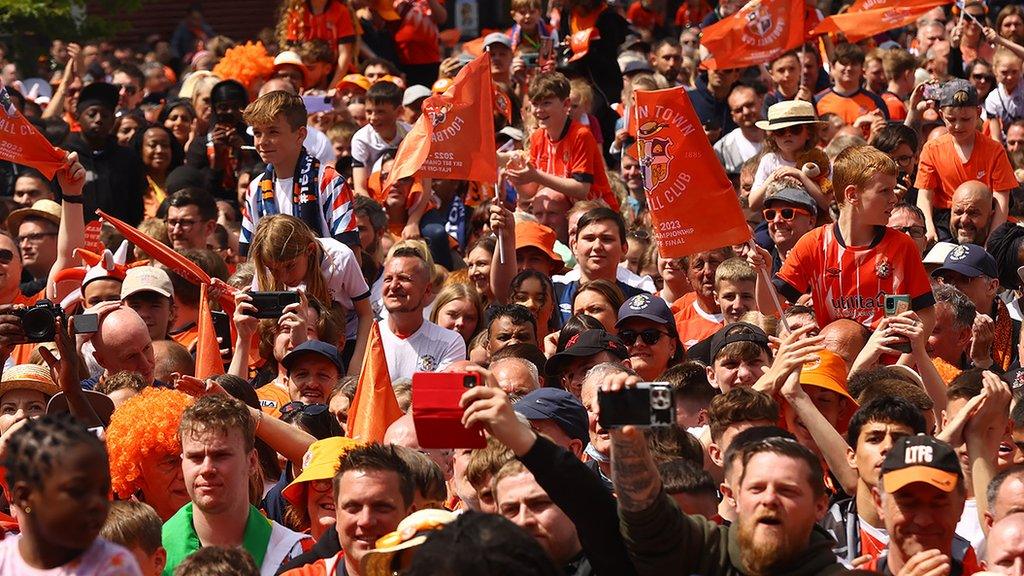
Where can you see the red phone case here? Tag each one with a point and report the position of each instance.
(437, 415)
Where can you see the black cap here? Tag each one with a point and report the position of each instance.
(647, 307)
(324, 349)
(586, 343)
(921, 458)
(559, 406)
(958, 93)
(98, 93)
(970, 260)
(738, 332)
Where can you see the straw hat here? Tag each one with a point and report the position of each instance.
(43, 209)
(788, 113)
(28, 377)
(411, 532)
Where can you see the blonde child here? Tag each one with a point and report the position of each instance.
(792, 128)
(735, 289)
(1005, 103)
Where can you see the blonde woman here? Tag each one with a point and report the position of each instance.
(458, 307)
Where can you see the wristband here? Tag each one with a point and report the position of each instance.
(73, 199)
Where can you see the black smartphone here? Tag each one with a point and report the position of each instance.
(272, 304)
(222, 327)
(649, 404)
(86, 323)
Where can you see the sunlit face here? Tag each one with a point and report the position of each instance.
(311, 379)
(649, 360)
(163, 486)
(406, 284)
(873, 443)
(728, 372)
(535, 297)
(593, 303)
(550, 112)
(369, 505)
(504, 332)
(179, 122)
(877, 199)
(735, 299)
(962, 121)
(216, 467)
(459, 315)
(744, 106)
(785, 72)
(156, 150)
(701, 272)
(920, 517)
(20, 404)
(277, 141)
(126, 130)
(970, 217)
(599, 249)
(521, 499)
(667, 60)
(1007, 70)
(479, 264)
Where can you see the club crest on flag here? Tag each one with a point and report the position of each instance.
(5, 102)
(655, 155)
(437, 114)
(759, 21)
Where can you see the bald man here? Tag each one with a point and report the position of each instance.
(845, 338)
(402, 432)
(516, 376)
(970, 218)
(122, 343)
(1004, 549)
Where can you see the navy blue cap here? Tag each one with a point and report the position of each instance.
(970, 260)
(648, 307)
(559, 406)
(324, 349)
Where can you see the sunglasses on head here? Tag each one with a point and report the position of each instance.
(787, 214)
(650, 336)
(296, 406)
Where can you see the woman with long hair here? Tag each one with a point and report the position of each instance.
(160, 153)
(458, 307)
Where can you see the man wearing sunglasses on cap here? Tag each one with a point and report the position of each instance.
(790, 213)
(648, 329)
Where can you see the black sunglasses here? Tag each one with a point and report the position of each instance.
(650, 336)
(6, 256)
(307, 409)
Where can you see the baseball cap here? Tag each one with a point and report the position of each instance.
(793, 195)
(324, 349)
(636, 43)
(497, 38)
(414, 93)
(357, 81)
(739, 332)
(539, 236)
(146, 278)
(970, 260)
(938, 253)
(441, 85)
(921, 458)
(513, 133)
(958, 93)
(320, 462)
(586, 343)
(559, 406)
(647, 307)
(633, 66)
(98, 93)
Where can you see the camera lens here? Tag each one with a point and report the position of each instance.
(38, 324)
(469, 381)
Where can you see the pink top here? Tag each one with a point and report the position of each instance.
(103, 558)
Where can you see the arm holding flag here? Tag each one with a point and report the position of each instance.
(71, 231)
(525, 172)
(503, 224)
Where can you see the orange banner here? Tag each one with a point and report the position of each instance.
(876, 17)
(693, 205)
(454, 137)
(21, 143)
(759, 32)
(374, 407)
(208, 360)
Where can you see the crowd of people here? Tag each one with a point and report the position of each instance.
(847, 390)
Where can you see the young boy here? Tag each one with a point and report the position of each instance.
(962, 155)
(294, 182)
(564, 155)
(735, 287)
(383, 131)
(529, 29)
(137, 527)
(739, 356)
(1006, 103)
(850, 266)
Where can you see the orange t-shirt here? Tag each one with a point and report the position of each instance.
(849, 108)
(581, 20)
(334, 25)
(692, 322)
(272, 398)
(641, 17)
(893, 103)
(852, 281)
(574, 155)
(941, 170)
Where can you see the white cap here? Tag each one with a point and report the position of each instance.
(938, 253)
(497, 38)
(146, 278)
(414, 93)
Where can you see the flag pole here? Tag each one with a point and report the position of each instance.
(501, 244)
(765, 277)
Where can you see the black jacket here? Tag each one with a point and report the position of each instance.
(115, 179)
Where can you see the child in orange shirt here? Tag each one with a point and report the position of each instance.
(961, 155)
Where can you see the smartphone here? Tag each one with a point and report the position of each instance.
(437, 415)
(222, 328)
(649, 404)
(530, 59)
(86, 323)
(932, 91)
(896, 304)
(316, 104)
(272, 304)
(547, 51)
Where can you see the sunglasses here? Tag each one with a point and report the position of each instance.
(307, 409)
(320, 486)
(789, 130)
(129, 89)
(912, 231)
(650, 336)
(6, 256)
(982, 77)
(787, 214)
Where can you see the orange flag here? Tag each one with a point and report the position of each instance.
(693, 205)
(208, 360)
(757, 33)
(21, 143)
(374, 407)
(165, 255)
(875, 17)
(454, 137)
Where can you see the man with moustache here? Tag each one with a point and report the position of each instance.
(779, 495)
(746, 140)
(970, 215)
(697, 313)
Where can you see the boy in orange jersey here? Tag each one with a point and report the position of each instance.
(564, 155)
(850, 266)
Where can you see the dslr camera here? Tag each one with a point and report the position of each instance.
(38, 321)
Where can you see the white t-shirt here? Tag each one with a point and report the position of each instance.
(622, 274)
(429, 349)
(769, 162)
(319, 146)
(103, 558)
(734, 149)
(367, 145)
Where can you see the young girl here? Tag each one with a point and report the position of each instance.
(458, 307)
(535, 291)
(59, 486)
(1005, 103)
(600, 299)
(287, 255)
(478, 260)
(792, 128)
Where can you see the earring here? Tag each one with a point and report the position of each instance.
(28, 509)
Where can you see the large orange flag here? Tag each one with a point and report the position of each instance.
(208, 360)
(876, 16)
(757, 33)
(374, 407)
(21, 143)
(454, 137)
(693, 205)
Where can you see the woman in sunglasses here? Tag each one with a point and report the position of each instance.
(648, 329)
